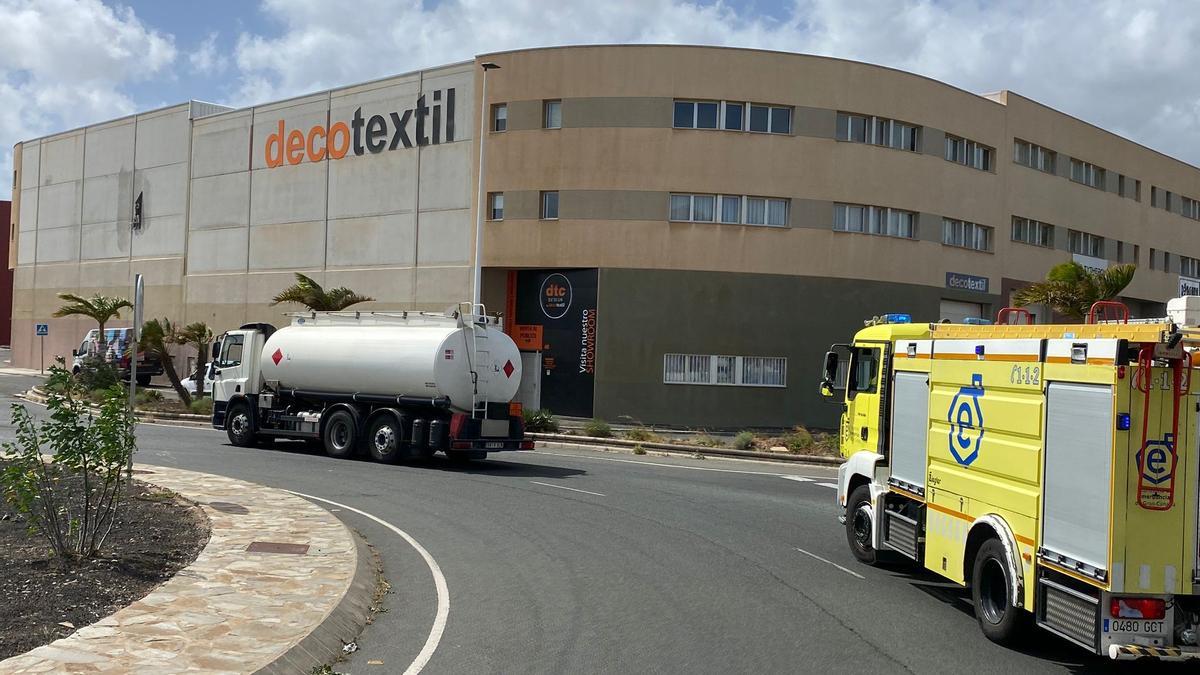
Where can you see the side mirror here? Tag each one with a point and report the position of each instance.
(829, 375)
(215, 350)
(74, 353)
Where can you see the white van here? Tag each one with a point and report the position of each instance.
(116, 343)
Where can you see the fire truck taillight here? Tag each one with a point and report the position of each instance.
(1138, 608)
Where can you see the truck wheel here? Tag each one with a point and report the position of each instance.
(384, 440)
(238, 426)
(340, 434)
(1000, 620)
(858, 524)
(144, 380)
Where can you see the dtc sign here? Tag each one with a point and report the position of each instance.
(363, 134)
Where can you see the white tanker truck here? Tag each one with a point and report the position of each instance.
(396, 385)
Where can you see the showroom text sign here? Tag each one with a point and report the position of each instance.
(371, 134)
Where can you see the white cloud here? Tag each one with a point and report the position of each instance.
(207, 59)
(1126, 67)
(65, 64)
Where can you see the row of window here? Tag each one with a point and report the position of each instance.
(1086, 173)
(1165, 199)
(969, 153)
(874, 220)
(729, 209)
(1034, 156)
(878, 131)
(966, 235)
(551, 115)
(714, 369)
(1037, 233)
(732, 116)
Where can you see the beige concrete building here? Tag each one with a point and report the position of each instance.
(675, 234)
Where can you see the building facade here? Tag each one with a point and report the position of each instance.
(674, 234)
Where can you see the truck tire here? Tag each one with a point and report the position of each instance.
(385, 441)
(858, 525)
(239, 427)
(1000, 620)
(340, 435)
(144, 380)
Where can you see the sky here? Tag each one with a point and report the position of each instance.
(1130, 67)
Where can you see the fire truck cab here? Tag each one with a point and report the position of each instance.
(1050, 468)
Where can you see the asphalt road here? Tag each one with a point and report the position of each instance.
(646, 564)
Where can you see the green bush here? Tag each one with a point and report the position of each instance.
(744, 440)
(144, 396)
(799, 440)
(540, 421)
(96, 374)
(704, 440)
(639, 450)
(202, 406)
(642, 435)
(597, 428)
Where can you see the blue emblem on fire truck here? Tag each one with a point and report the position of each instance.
(966, 422)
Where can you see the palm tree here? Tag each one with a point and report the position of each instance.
(200, 336)
(1071, 289)
(157, 336)
(310, 294)
(100, 308)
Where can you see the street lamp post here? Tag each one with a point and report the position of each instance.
(477, 273)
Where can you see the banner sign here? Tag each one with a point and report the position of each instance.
(559, 308)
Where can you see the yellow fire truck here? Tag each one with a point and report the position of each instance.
(1050, 468)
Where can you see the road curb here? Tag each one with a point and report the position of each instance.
(36, 395)
(685, 449)
(251, 602)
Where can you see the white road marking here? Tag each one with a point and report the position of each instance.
(830, 562)
(439, 582)
(563, 487)
(829, 485)
(798, 479)
(675, 466)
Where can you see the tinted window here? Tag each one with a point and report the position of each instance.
(706, 115)
(781, 121)
(684, 112)
(733, 116)
(758, 117)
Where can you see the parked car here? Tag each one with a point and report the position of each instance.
(116, 344)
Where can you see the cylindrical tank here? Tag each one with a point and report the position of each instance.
(394, 360)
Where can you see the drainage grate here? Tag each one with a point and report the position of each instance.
(276, 547)
(226, 507)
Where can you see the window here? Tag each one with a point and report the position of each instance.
(552, 115)
(731, 209)
(696, 114)
(1082, 243)
(1153, 262)
(231, 351)
(1190, 208)
(1034, 156)
(874, 220)
(966, 235)
(500, 117)
(549, 205)
(745, 371)
(770, 119)
(1088, 174)
(1032, 232)
(969, 153)
(864, 377)
(496, 206)
(1130, 188)
(733, 117)
(878, 131)
(1189, 267)
(703, 209)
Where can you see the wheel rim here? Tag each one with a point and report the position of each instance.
(993, 591)
(385, 439)
(240, 424)
(861, 527)
(340, 435)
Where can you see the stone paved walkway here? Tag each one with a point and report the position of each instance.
(232, 610)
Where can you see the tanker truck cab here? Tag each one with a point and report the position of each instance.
(393, 385)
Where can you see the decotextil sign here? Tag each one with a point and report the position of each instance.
(429, 122)
(966, 282)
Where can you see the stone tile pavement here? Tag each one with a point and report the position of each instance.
(232, 610)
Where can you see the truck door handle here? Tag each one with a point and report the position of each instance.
(863, 433)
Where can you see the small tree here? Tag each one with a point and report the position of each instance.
(71, 497)
(1071, 289)
(100, 308)
(157, 337)
(309, 293)
(200, 336)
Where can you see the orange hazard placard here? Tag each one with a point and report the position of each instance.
(527, 336)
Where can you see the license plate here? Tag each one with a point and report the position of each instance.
(494, 445)
(1135, 626)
